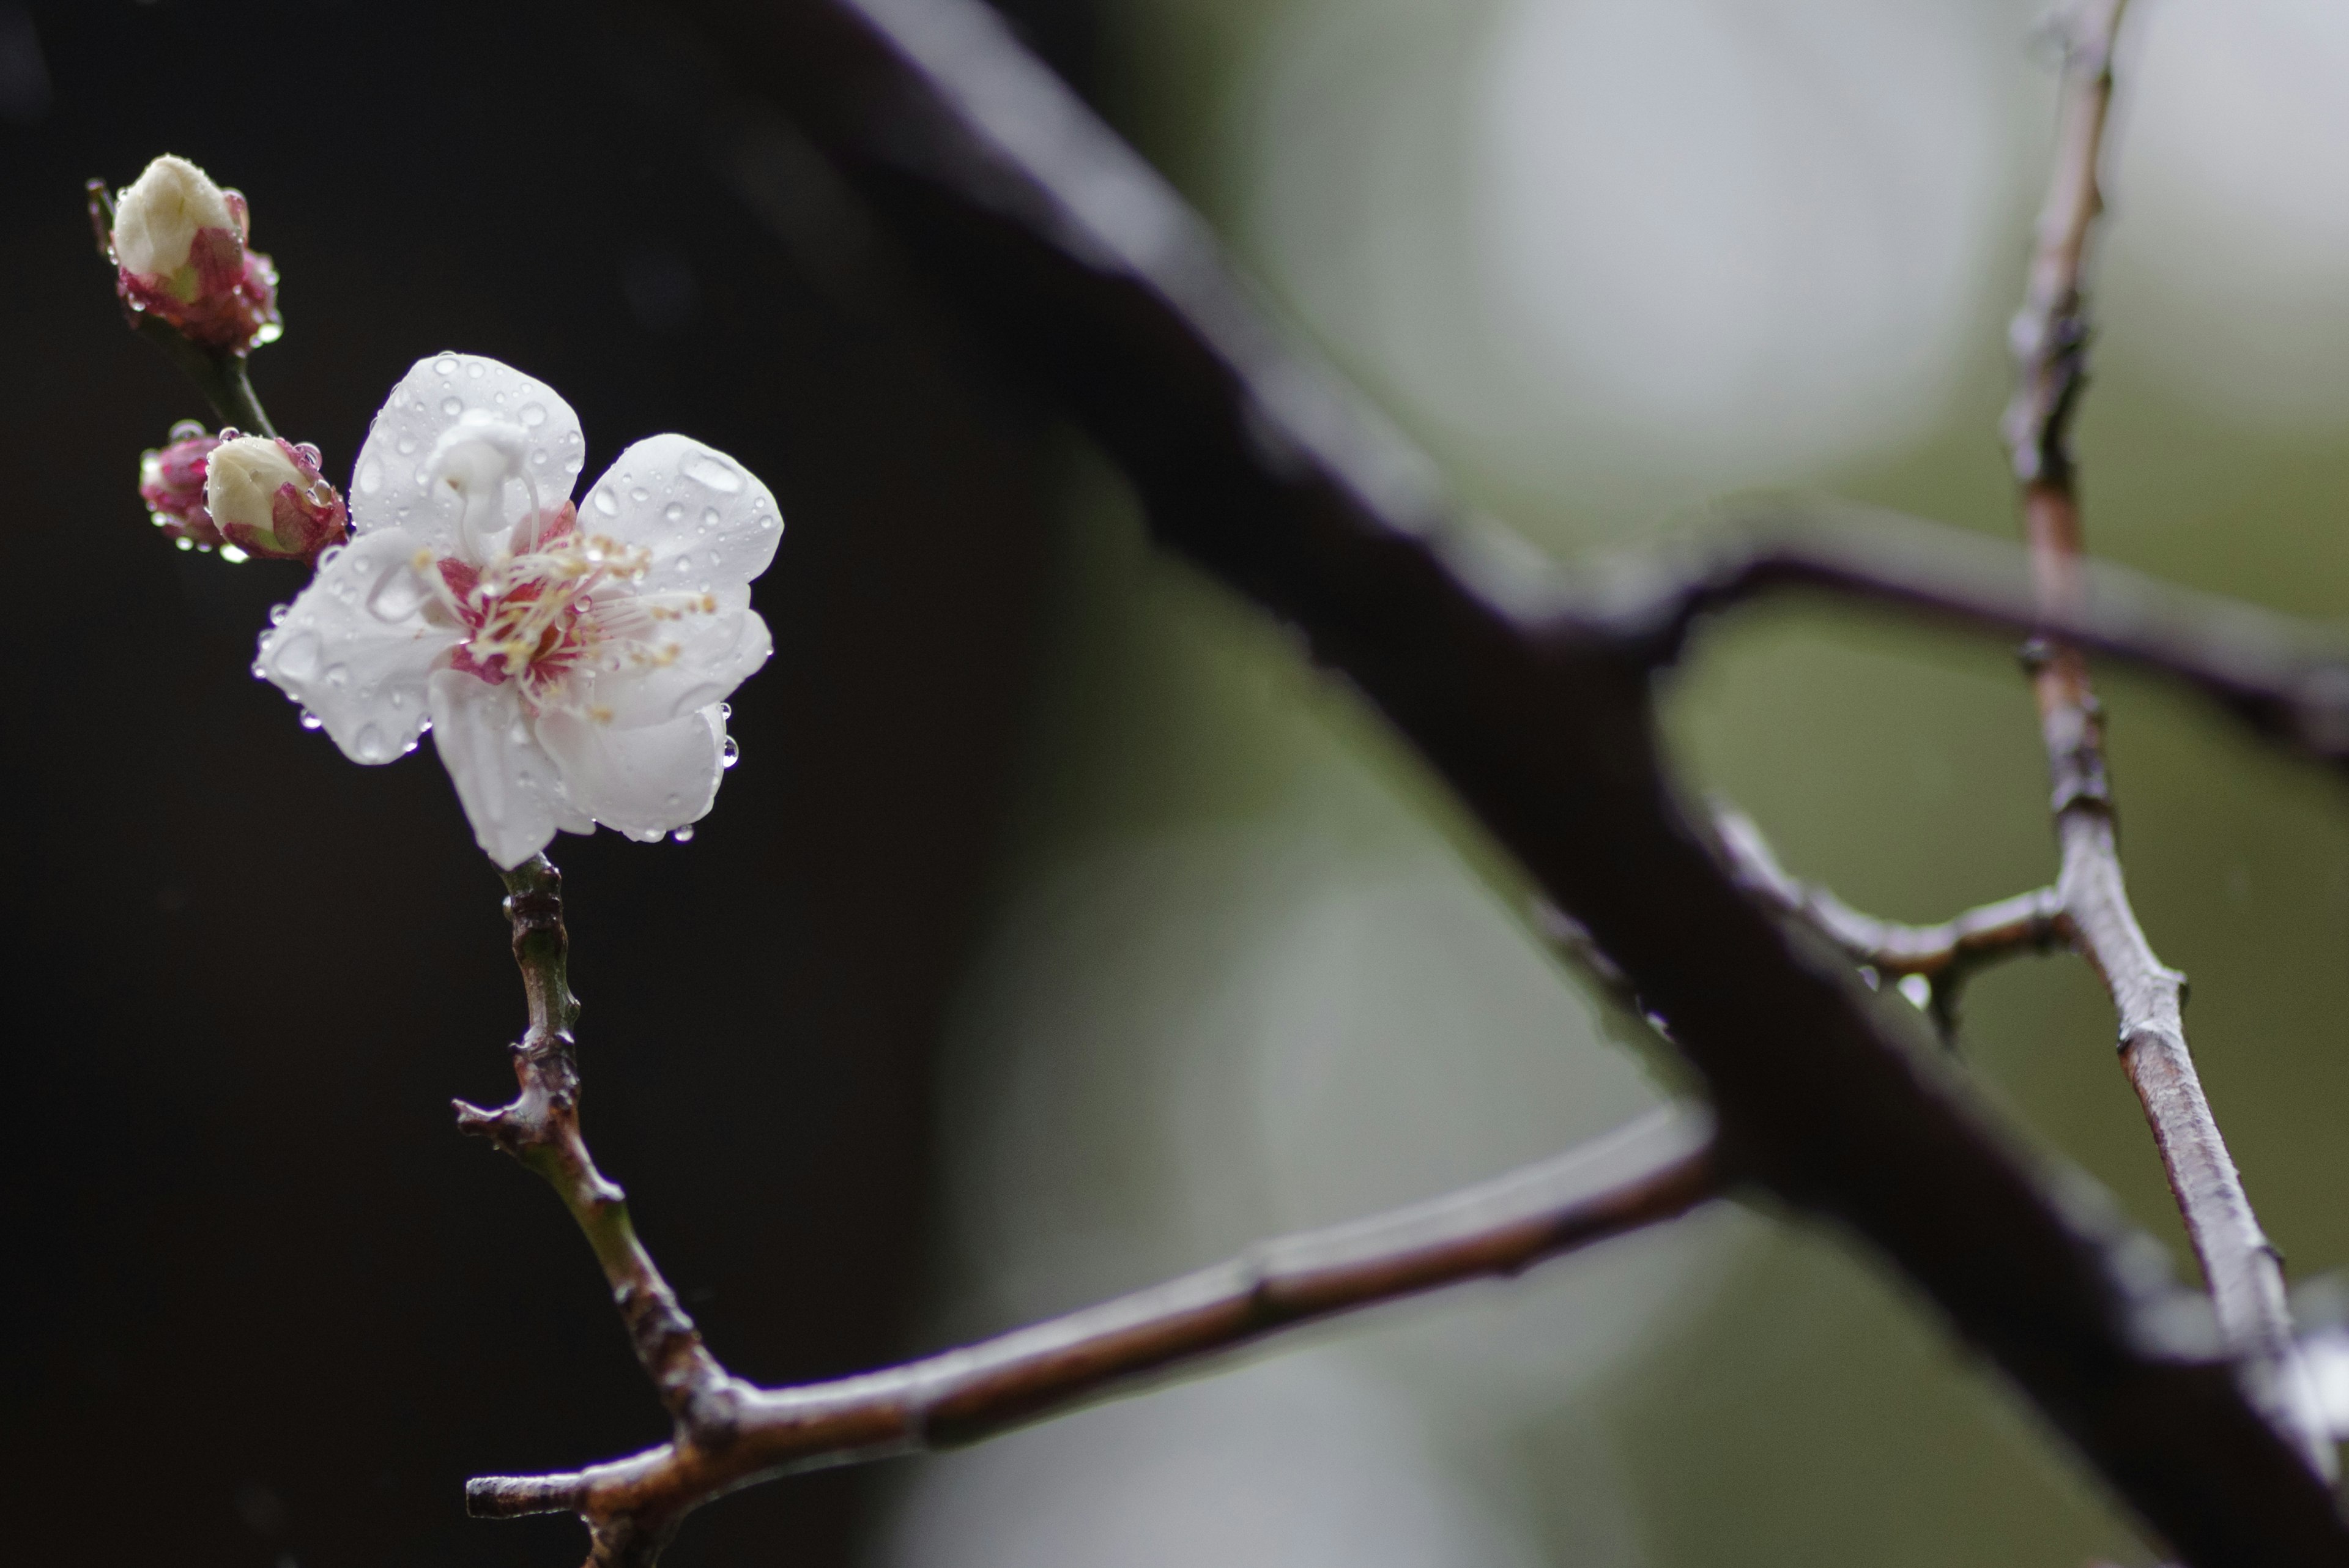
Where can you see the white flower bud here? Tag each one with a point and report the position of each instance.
(159, 217)
(267, 498)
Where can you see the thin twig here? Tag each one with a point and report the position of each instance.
(2243, 1268)
(1944, 956)
(2287, 679)
(541, 1129)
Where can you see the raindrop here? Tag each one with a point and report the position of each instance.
(311, 720)
(709, 518)
(477, 369)
(446, 364)
(452, 407)
(397, 597)
(370, 477)
(371, 746)
(400, 699)
(534, 414)
(640, 495)
(683, 562)
(298, 658)
(539, 457)
(186, 430)
(339, 675)
(407, 443)
(766, 522)
(729, 753)
(705, 468)
(258, 672)
(277, 614)
(684, 835)
(606, 501)
(725, 712)
(329, 555)
(673, 513)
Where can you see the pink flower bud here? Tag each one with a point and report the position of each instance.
(171, 482)
(178, 243)
(267, 498)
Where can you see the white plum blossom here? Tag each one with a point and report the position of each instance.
(571, 662)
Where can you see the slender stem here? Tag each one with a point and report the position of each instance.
(1945, 955)
(540, 1128)
(1654, 1171)
(2243, 1269)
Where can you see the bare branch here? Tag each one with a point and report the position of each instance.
(1078, 266)
(1943, 956)
(1652, 1171)
(2285, 678)
(2243, 1268)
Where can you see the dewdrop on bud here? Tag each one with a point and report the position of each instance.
(171, 482)
(179, 245)
(266, 497)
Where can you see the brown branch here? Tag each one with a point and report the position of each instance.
(540, 1128)
(2243, 1268)
(1652, 1171)
(1945, 955)
(2287, 679)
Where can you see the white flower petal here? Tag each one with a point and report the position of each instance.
(706, 518)
(389, 484)
(355, 650)
(643, 781)
(715, 651)
(507, 784)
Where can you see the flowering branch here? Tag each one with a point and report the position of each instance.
(2243, 1269)
(1654, 1171)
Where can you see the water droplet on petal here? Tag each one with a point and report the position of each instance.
(407, 444)
(452, 407)
(640, 495)
(606, 501)
(477, 369)
(397, 597)
(329, 555)
(297, 658)
(725, 712)
(370, 477)
(729, 753)
(534, 414)
(708, 467)
(683, 562)
(446, 364)
(709, 518)
(311, 720)
(339, 675)
(684, 835)
(277, 614)
(370, 745)
(673, 513)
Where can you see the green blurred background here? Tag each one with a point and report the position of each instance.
(1243, 970)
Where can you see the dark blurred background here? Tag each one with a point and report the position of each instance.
(1059, 929)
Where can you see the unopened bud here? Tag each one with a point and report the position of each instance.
(171, 482)
(179, 241)
(266, 497)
